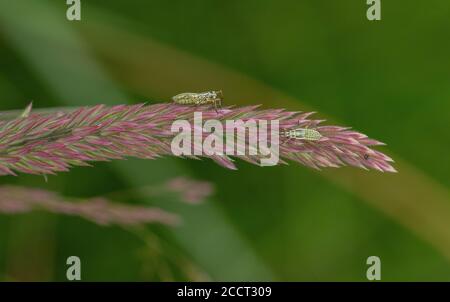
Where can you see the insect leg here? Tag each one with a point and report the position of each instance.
(215, 106)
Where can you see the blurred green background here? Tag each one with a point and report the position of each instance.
(389, 79)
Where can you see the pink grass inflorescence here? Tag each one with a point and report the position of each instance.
(54, 142)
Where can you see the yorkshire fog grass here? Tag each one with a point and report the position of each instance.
(47, 143)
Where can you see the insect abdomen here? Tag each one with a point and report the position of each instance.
(312, 135)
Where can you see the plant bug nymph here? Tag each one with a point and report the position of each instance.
(203, 98)
(302, 134)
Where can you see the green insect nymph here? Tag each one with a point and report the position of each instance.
(302, 134)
